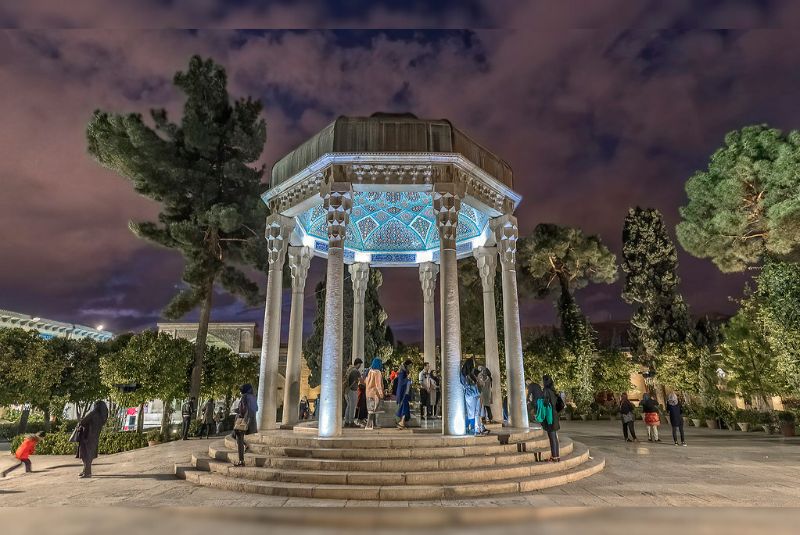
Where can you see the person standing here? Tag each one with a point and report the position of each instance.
(206, 418)
(424, 391)
(23, 454)
(88, 436)
(552, 400)
(351, 380)
(245, 419)
(187, 411)
(436, 398)
(628, 417)
(651, 417)
(373, 385)
(472, 398)
(676, 418)
(404, 394)
(485, 383)
(303, 408)
(219, 418)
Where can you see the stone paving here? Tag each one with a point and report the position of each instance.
(718, 468)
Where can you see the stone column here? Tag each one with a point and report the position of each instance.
(279, 228)
(506, 234)
(446, 204)
(359, 275)
(299, 261)
(487, 267)
(427, 277)
(338, 199)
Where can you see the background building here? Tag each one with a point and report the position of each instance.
(51, 328)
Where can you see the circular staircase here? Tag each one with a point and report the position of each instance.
(390, 465)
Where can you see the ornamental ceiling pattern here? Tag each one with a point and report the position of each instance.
(393, 222)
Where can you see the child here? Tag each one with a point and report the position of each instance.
(23, 453)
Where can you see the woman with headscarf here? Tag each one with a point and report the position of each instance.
(88, 436)
(373, 385)
(485, 386)
(675, 418)
(628, 417)
(551, 426)
(472, 398)
(404, 394)
(246, 414)
(651, 417)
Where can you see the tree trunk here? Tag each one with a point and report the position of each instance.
(165, 417)
(200, 343)
(23, 421)
(140, 418)
(46, 424)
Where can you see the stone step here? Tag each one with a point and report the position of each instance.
(565, 474)
(393, 477)
(389, 438)
(411, 452)
(218, 451)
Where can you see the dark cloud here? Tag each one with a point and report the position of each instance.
(613, 107)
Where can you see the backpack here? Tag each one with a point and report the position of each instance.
(544, 412)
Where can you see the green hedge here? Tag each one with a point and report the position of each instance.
(110, 442)
(11, 429)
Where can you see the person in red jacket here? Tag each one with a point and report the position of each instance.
(23, 453)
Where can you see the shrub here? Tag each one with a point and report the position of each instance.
(9, 430)
(110, 442)
(786, 417)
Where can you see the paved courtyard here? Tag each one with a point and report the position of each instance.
(718, 468)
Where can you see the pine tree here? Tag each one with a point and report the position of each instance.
(557, 260)
(199, 171)
(378, 340)
(660, 322)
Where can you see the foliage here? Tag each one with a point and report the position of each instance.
(558, 260)
(224, 371)
(27, 375)
(157, 362)
(79, 361)
(11, 429)
(778, 292)
(745, 205)
(747, 356)
(110, 442)
(199, 171)
(650, 263)
(787, 417)
(470, 293)
(612, 371)
(377, 337)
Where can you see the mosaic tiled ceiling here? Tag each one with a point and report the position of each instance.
(393, 222)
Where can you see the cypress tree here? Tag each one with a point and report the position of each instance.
(199, 170)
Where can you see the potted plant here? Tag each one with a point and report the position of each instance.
(154, 437)
(569, 412)
(710, 416)
(743, 419)
(787, 423)
(763, 419)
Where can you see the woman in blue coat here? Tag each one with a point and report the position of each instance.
(404, 394)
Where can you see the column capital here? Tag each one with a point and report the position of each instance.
(337, 200)
(506, 233)
(446, 204)
(299, 262)
(359, 275)
(487, 266)
(427, 276)
(278, 230)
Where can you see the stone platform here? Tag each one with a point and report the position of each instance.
(390, 464)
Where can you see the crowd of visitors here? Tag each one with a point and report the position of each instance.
(651, 412)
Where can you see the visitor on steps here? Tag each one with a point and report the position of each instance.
(361, 404)
(206, 418)
(472, 398)
(676, 418)
(485, 384)
(245, 422)
(425, 391)
(219, 418)
(436, 398)
(24, 452)
(374, 392)
(187, 412)
(534, 395)
(628, 418)
(404, 394)
(351, 379)
(553, 400)
(651, 418)
(303, 411)
(87, 435)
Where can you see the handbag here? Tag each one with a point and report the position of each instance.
(627, 417)
(76, 434)
(242, 423)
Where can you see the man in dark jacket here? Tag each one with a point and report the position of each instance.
(187, 411)
(87, 435)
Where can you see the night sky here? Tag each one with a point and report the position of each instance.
(594, 118)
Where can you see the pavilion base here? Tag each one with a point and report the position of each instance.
(390, 464)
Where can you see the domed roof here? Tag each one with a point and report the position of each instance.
(390, 133)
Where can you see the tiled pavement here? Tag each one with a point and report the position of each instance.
(718, 468)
